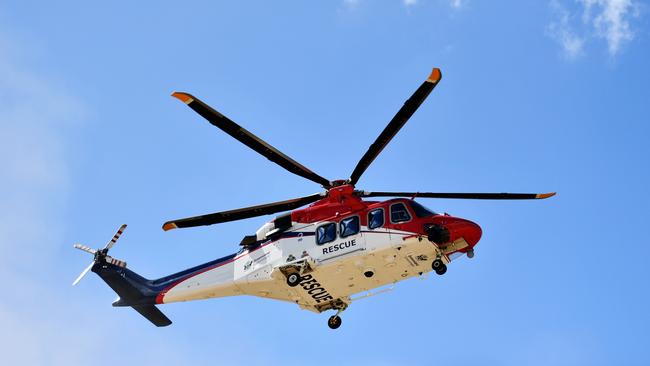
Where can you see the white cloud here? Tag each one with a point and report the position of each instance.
(608, 20)
(410, 2)
(562, 32)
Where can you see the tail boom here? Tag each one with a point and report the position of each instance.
(211, 279)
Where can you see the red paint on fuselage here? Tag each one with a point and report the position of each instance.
(341, 202)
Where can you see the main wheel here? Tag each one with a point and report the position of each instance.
(439, 266)
(334, 321)
(293, 279)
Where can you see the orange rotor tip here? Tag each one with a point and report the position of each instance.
(169, 225)
(435, 76)
(183, 97)
(545, 195)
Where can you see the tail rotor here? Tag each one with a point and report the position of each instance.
(101, 255)
(83, 273)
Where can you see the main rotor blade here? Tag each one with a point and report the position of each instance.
(247, 138)
(471, 196)
(242, 213)
(400, 119)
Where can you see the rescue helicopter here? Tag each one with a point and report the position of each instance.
(318, 256)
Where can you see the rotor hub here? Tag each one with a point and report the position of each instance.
(339, 182)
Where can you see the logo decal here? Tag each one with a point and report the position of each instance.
(248, 265)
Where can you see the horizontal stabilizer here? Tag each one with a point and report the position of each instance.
(153, 314)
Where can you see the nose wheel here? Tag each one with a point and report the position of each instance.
(439, 266)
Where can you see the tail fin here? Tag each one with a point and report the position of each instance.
(153, 314)
(134, 291)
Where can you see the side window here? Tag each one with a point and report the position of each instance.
(326, 233)
(398, 213)
(376, 218)
(349, 226)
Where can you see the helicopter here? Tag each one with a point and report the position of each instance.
(318, 256)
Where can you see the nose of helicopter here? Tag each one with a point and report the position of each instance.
(447, 228)
(470, 231)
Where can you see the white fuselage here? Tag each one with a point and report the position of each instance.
(338, 269)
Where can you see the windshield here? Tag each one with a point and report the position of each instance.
(421, 211)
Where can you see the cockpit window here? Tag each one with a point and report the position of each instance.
(421, 211)
(325, 233)
(349, 226)
(376, 218)
(399, 213)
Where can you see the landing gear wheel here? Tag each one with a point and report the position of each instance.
(293, 279)
(439, 266)
(334, 322)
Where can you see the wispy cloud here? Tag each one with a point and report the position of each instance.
(562, 31)
(611, 20)
(351, 3)
(608, 20)
(33, 112)
(457, 4)
(40, 325)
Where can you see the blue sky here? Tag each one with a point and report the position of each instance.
(535, 96)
